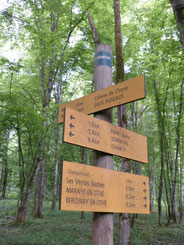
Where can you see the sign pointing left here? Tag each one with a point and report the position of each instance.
(72, 126)
(99, 135)
(72, 117)
(71, 134)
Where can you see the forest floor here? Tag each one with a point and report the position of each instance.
(67, 228)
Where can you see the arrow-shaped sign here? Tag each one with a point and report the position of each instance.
(102, 136)
(72, 117)
(71, 125)
(127, 199)
(119, 94)
(71, 134)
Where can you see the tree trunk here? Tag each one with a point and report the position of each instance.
(57, 135)
(40, 185)
(103, 222)
(5, 167)
(46, 90)
(48, 76)
(22, 209)
(178, 8)
(161, 139)
(151, 175)
(21, 163)
(84, 161)
(39, 193)
(125, 237)
(181, 201)
(173, 196)
(47, 85)
(1, 175)
(181, 188)
(21, 215)
(5, 179)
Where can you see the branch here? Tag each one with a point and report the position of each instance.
(144, 109)
(94, 30)
(34, 102)
(74, 26)
(9, 16)
(70, 33)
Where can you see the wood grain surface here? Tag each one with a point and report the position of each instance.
(89, 188)
(121, 93)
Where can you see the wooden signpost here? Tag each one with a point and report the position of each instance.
(121, 93)
(89, 188)
(90, 132)
(100, 189)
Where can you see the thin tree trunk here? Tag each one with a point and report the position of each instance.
(173, 197)
(181, 190)
(152, 189)
(46, 89)
(160, 125)
(57, 135)
(168, 211)
(138, 167)
(40, 185)
(5, 168)
(1, 175)
(84, 161)
(21, 164)
(168, 173)
(5, 179)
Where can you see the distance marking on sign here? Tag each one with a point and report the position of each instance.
(102, 136)
(89, 188)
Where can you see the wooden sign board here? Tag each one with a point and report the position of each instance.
(121, 93)
(89, 188)
(93, 133)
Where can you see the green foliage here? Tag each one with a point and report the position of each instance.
(56, 42)
(67, 228)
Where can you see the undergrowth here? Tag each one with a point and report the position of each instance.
(67, 228)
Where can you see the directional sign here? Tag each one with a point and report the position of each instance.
(121, 93)
(99, 135)
(89, 188)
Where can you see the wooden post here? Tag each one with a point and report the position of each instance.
(103, 222)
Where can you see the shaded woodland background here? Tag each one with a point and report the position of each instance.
(52, 63)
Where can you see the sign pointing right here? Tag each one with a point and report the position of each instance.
(89, 188)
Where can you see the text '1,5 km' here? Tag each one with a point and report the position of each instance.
(88, 188)
(90, 132)
(121, 93)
